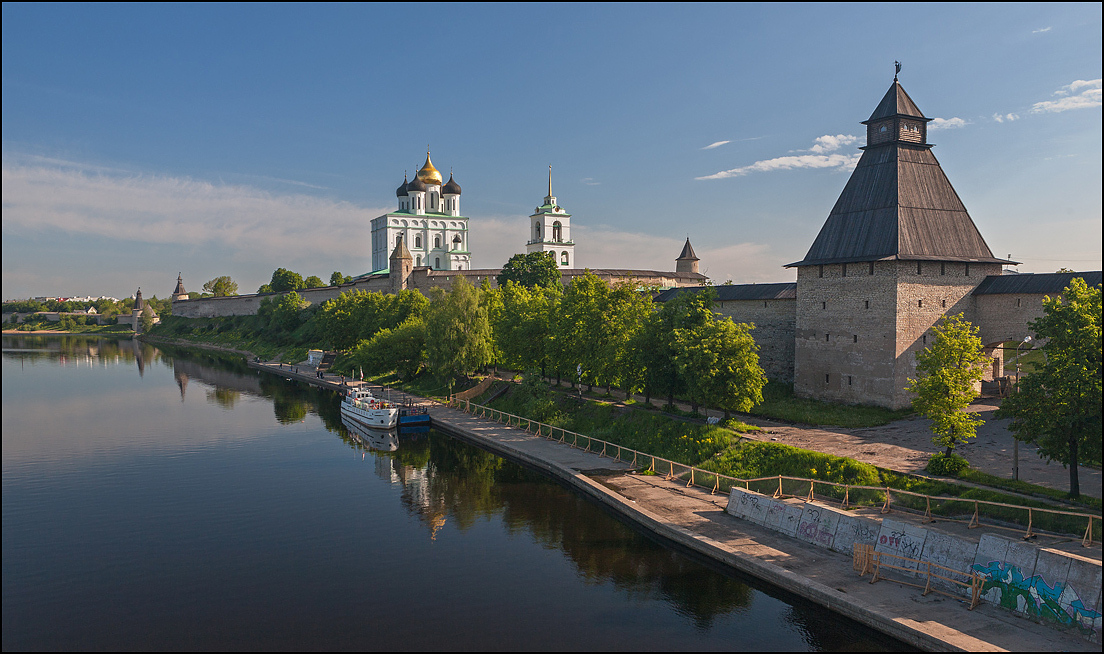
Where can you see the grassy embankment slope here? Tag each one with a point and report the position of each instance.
(721, 449)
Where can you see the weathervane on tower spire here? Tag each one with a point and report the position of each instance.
(897, 70)
(549, 180)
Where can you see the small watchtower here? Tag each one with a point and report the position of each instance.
(401, 266)
(179, 293)
(687, 262)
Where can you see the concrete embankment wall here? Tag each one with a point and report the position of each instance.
(1046, 585)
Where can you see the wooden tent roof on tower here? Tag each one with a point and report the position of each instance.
(898, 203)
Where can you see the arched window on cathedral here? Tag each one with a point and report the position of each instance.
(437, 242)
(456, 241)
(557, 232)
(419, 260)
(536, 232)
(418, 241)
(563, 259)
(437, 263)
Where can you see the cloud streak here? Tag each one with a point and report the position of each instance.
(44, 196)
(1079, 94)
(716, 145)
(1041, 30)
(823, 155)
(947, 123)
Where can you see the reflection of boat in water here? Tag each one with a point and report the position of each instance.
(383, 440)
(360, 405)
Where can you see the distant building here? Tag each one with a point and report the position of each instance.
(550, 230)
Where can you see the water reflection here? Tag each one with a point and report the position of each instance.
(225, 528)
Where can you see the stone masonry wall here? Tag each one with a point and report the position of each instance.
(845, 337)
(1005, 317)
(774, 322)
(922, 299)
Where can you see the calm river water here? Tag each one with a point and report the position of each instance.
(166, 500)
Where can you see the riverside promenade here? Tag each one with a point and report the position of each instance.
(693, 519)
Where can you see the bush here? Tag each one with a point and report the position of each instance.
(945, 465)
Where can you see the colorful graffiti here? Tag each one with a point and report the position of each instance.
(1035, 597)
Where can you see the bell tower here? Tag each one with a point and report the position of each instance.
(550, 230)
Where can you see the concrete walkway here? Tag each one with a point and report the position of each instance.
(693, 518)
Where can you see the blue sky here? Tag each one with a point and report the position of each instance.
(139, 141)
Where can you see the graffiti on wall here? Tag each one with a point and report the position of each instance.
(1035, 597)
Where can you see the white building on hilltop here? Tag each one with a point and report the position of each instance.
(550, 230)
(428, 220)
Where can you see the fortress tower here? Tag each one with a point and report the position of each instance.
(429, 222)
(550, 230)
(897, 252)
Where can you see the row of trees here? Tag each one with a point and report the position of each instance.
(282, 281)
(1056, 407)
(590, 332)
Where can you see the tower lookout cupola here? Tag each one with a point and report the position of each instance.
(896, 119)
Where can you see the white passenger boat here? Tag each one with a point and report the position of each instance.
(360, 405)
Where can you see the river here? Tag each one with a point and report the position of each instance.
(161, 499)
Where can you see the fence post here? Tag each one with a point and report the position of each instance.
(885, 507)
(811, 490)
(927, 586)
(974, 519)
(846, 496)
(1088, 539)
(691, 477)
(1029, 517)
(779, 493)
(927, 513)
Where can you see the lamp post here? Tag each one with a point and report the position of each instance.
(1015, 441)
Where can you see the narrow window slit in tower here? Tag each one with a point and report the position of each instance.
(844, 273)
(823, 305)
(856, 338)
(868, 304)
(1017, 303)
(827, 337)
(920, 304)
(919, 267)
(848, 380)
(871, 267)
(821, 270)
(826, 378)
(942, 268)
(944, 304)
(967, 270)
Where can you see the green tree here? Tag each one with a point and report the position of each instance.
(337, 279)
(531, 270)
(286, 312)
(265, 289)
(655, 352)
(947, 372)
(284, 280)
(221, 286)
(402, 349)
(458, 333)
(720, 362)
(522, 326)
(314, 281)
(1057, 407)
(575, 327)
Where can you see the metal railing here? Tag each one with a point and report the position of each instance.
(782, 486)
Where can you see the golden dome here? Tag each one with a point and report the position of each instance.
(428, 174)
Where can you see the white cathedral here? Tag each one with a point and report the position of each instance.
(428, 221)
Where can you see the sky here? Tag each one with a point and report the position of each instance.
(140, 141)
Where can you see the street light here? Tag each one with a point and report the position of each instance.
(1016, 441)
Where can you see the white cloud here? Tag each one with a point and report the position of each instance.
(44, 196)
(821, 159)
(1088, 95)
(1000, 118)
(947, 123)
(715, 145)
(829, 143)
(590, 181)
(1041, 30)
